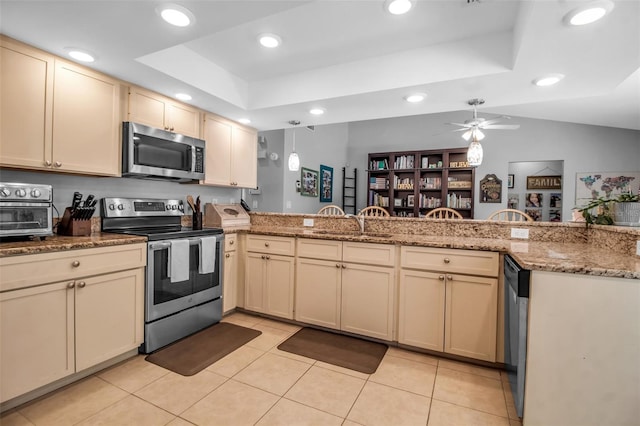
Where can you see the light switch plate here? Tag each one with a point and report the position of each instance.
(255, 204)
(288, 204)
(520, 233)
(638, 248)
(307, 222)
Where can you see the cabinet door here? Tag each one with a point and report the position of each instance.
(26, 78)
(318, 292)
(254, 282)
(421, 309)
(244, 158)
(36, 337)
(183, 119)
(217, 134)
(147, 108)
(367, 300)
(86, 121)
(109, 316)
(471, 315)
(279, 286)
(230, 286)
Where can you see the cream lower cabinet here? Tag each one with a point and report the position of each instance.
(441, 308)
(346, 286)
(57, 115)
(50, 330)
(230, 274)
(269, 275)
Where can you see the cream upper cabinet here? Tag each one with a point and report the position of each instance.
(161, 112)
(26, 102)
(442, 308)
(269, 275)
(87, 312)
(231, 153)
(56, 115)
(347, 286)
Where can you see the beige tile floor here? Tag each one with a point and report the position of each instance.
(260, 385)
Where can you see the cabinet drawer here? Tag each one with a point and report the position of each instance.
(230, 242)
(473, 262)
(319, 249)
(272, 245)
(35, 269)
(374, 254)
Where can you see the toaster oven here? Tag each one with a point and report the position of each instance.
(25, 210)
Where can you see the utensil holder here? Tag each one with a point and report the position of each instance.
(74, 227)
(196, 222)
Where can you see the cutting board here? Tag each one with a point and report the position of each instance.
(225, 215)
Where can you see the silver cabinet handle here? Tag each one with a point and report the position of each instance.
(263, 256)
(47, 163)
(231, 242)
(82, 284)
(58, 164)
(268, 257)
(337, 265)
(447, 260)
(441, 277)
(266, 244)
(344, 266)
(227, 255)
(449, 277)
(71, 285)
(75, 263)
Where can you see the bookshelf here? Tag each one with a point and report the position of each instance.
(410, 183)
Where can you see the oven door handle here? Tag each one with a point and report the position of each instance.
(165, 244)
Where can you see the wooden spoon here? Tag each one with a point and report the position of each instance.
(191, 203)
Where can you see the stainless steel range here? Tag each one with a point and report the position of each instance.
(183, 287)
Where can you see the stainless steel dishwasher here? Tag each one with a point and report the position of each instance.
(516, 306)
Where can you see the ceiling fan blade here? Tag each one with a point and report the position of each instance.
(495, 120)
(502, 127)
(465, 125)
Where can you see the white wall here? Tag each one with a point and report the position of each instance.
(581, 147)
(270, 174)
(327, 145)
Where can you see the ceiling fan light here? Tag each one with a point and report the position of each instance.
(473, 132)
(588, 13)
(398, 7)
(474, 153)
(548, 80)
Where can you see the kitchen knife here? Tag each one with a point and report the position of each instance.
(77, 197)
(198, 204)
(88, 201)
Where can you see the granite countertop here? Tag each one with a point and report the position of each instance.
(577, 258)
(61, 243)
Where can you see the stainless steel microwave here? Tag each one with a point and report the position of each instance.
(151, 153)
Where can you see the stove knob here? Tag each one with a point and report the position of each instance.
(112, 206)
(120, 207)
(35, 193)
(174, 207)
(181, 207)
(21, 193)
(168, 207)
(4, 192)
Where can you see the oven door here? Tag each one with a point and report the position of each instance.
(22, 219)
(163, 297)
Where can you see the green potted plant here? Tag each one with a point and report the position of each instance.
(623, 210)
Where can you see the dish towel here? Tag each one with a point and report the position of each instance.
(179, 260)
(207, 262)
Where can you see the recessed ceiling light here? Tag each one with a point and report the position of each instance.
(269, 40)
(548, 80)
(183, 96)
(588, 13)
(416, 97)
(398, 7)
(244, 120)
(317, 111)
(80, 55)
(176, 15)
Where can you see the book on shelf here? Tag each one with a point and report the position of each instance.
(404, 162)
(429, 202)
(454, 201)
(376, 199)
(379, 164)
(379, 182)
(430, 183)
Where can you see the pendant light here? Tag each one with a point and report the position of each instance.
(474, 153)
(294, 160)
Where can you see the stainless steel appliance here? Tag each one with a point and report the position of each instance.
(183, 286)
(516, 306)
(25, 210)
(158, 154)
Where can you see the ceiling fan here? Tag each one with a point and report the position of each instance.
(475, 126)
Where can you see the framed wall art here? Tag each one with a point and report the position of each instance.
(326, 184)
(490, 189)
(309, 179)
(510, 181)
(593, 185)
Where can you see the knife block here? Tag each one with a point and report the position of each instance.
(73, 227)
